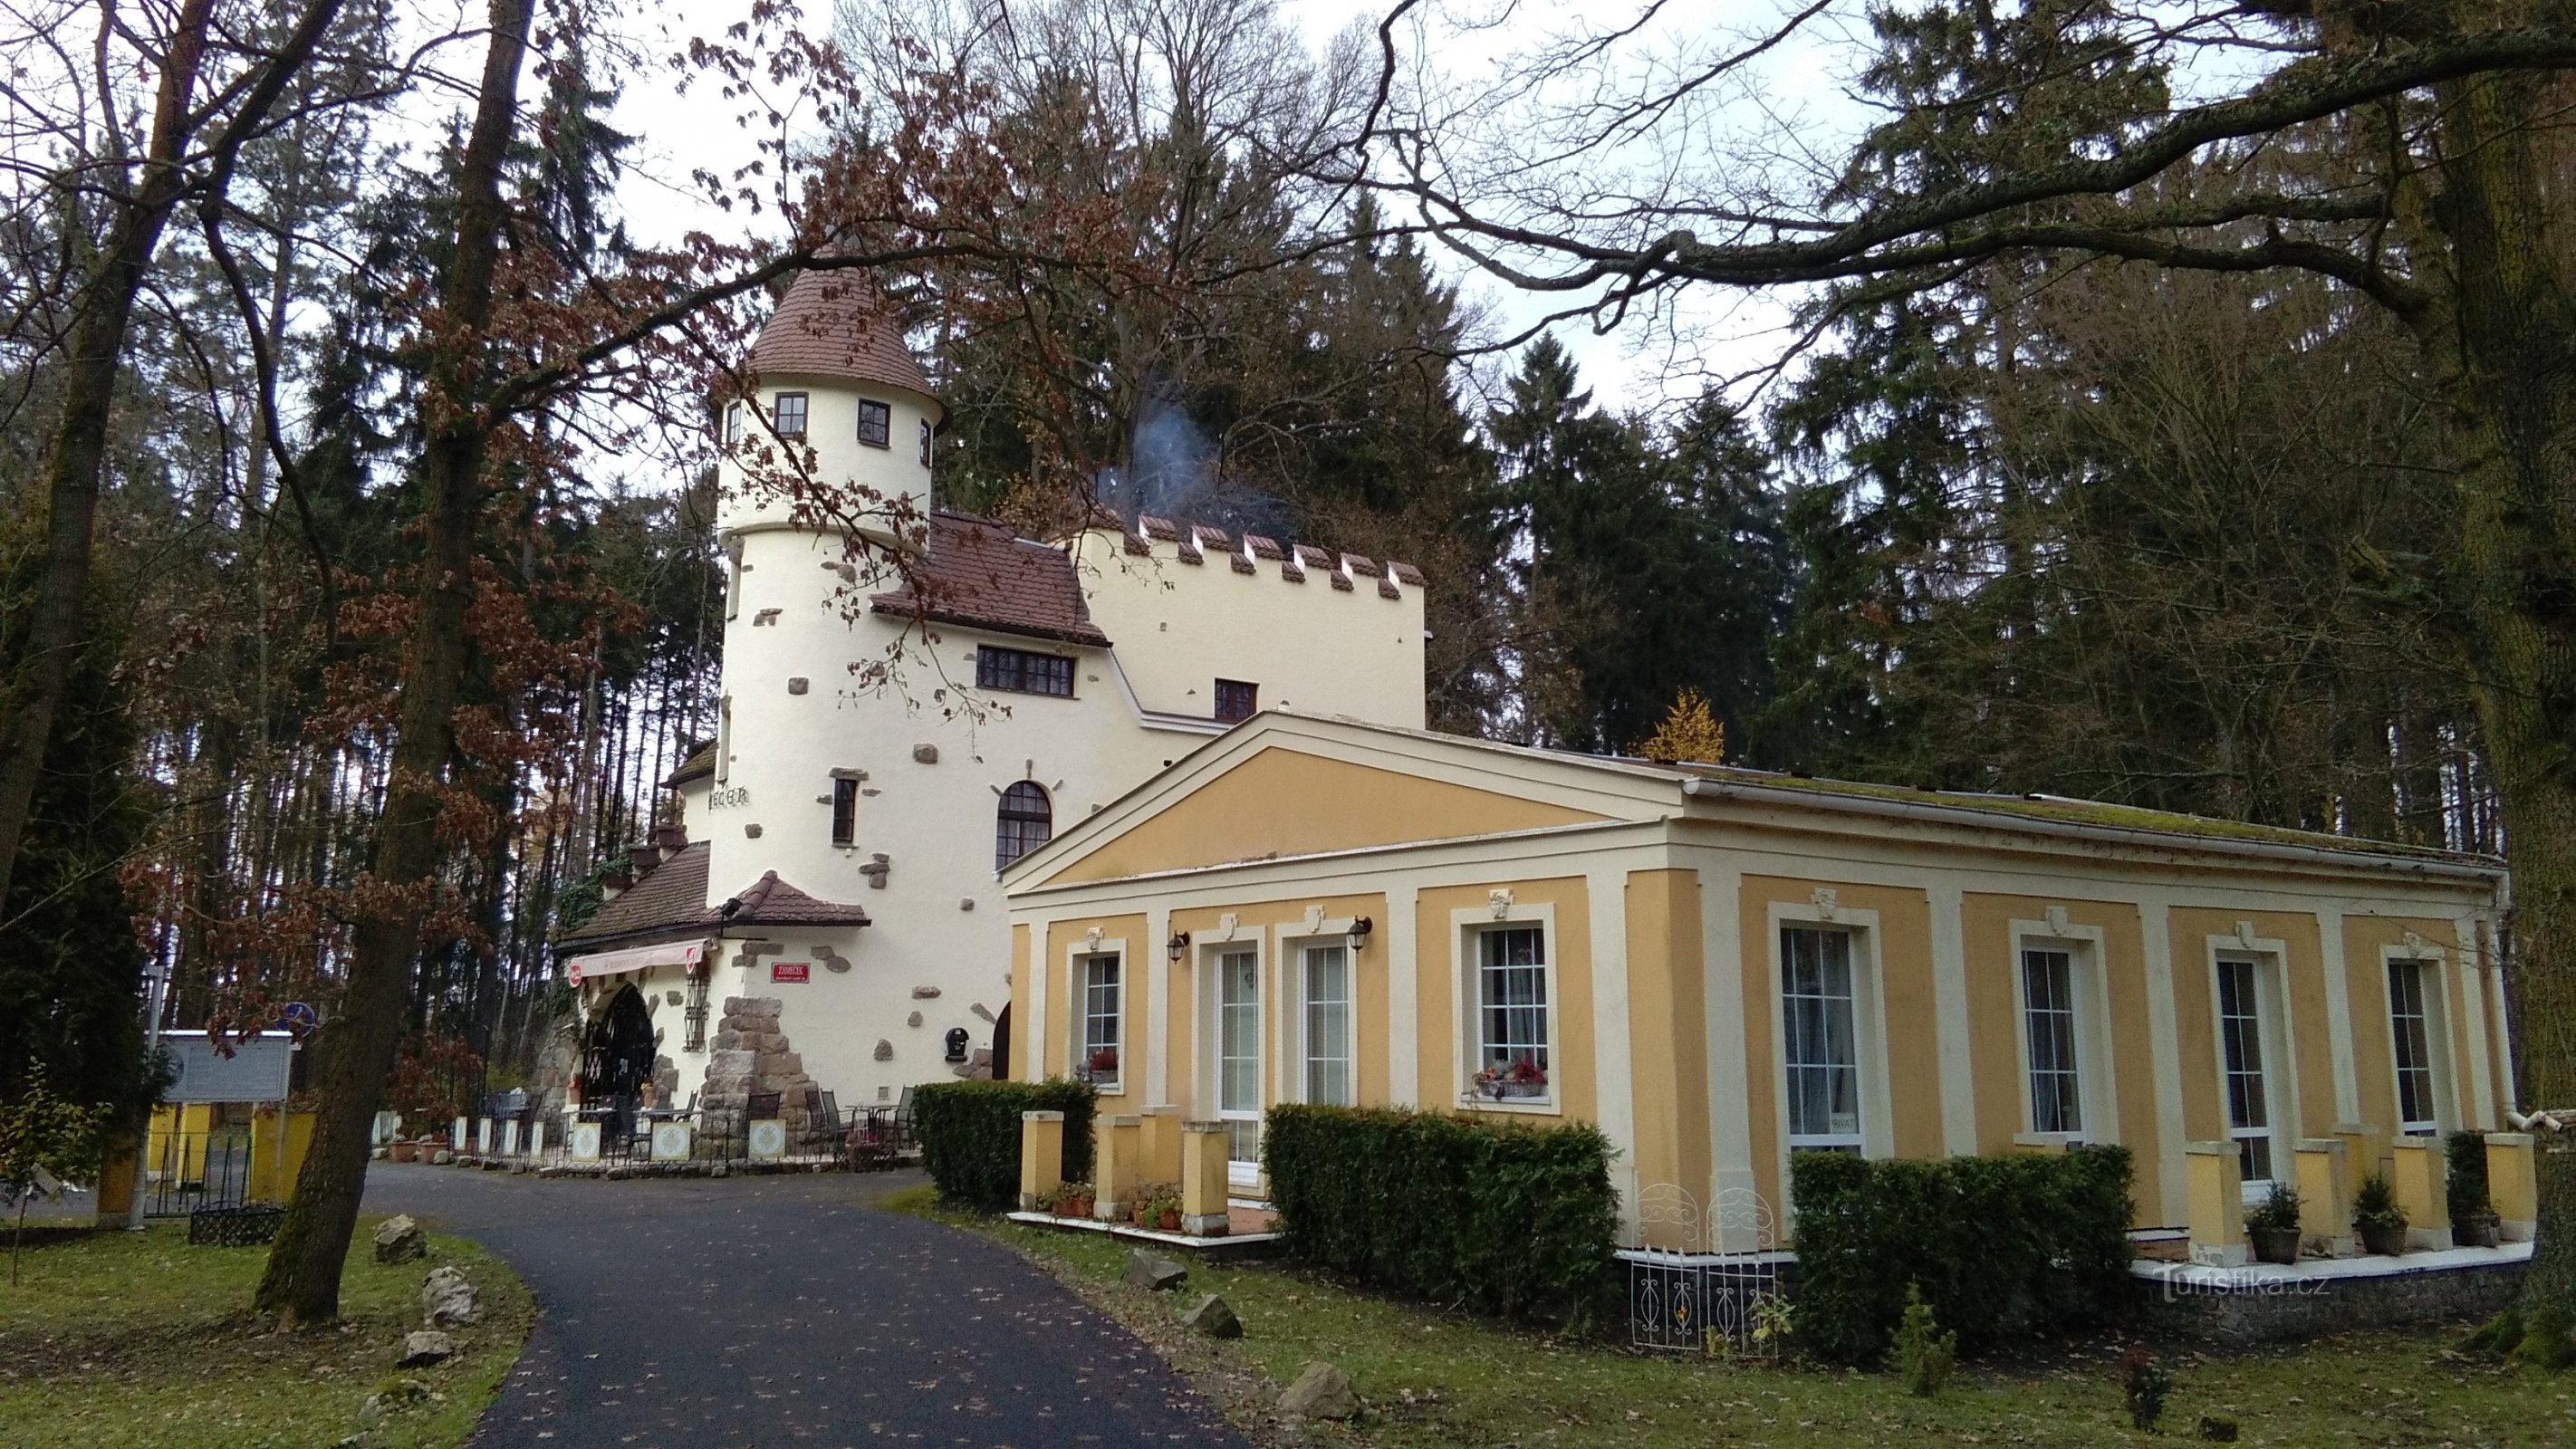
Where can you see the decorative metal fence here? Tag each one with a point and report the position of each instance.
(1712, 1283)
(188, 1172)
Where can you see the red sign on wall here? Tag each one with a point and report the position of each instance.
(791, 970)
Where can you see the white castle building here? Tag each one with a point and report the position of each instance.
(833, 869)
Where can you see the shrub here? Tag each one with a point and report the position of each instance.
(2374, 1204)
(970, 1136)
(2025, 1243)
(2279, 1211)
(1506, 1219)
(2144, 1383)
(2466, 1183)
(1924, 1354)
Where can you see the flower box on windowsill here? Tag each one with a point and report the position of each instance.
(1508, 1091)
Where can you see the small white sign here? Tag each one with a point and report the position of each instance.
(671, 1142)
(768, 1139)
(585, 1142)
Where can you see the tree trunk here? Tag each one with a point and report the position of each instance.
(302, 1282)
(2512, 325)
(77, 453)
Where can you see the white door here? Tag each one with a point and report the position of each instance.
(1238, 1059)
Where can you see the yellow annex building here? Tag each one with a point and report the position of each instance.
(1719, 966)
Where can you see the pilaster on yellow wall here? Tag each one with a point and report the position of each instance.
(1041, 1156)
(2217, 1195)
(2513, 1185)
(2325, 1196)
(1668, 1037)
(1027, 1064)
(2420, 1181)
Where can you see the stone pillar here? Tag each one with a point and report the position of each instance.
(1117, 1157)
(2365, 1150)
(2422, 1190)
(1162, 1144)
(1203, 1179)
(2325, 1197)
(2215, 1188)
(2513, 1186)
(1041, 1156)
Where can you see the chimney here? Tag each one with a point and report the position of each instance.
(671, 838)
(615, 881)
(646, 855)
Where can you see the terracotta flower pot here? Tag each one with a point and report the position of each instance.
(1170, 1220)
(404, 1150)
(2275, 1245)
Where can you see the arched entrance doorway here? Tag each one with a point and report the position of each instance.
(617, 1057)
(1002, 1044)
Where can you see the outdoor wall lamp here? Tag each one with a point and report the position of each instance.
(1177, 947)
(1360, 929)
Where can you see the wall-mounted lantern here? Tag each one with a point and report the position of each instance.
(1177, 947)
(1360, 929)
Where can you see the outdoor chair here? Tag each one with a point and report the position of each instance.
(822, 1121)
(902, 1122)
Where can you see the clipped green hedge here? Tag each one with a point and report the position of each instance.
(2025, 1243)
(1506, 1219)
(970, 1136)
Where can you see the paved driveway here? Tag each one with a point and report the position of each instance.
(781, 1311)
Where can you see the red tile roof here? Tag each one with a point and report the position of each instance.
(833, 324)
(979, 575)
(671, 901)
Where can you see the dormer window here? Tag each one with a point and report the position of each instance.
(790, 414)
(876, 423)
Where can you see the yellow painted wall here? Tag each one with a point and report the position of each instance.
(1442, 972)
(1994, 998)
(2374, 1047)
(1905, 966)
(1064, 1005)
(1287, 802)
(1668, 1032)
(1258, 921)
(2204, 1115)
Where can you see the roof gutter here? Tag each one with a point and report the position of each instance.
(1876, 808)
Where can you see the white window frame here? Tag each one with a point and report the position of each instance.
(2432, 971)
(724, 738)
(1211, 952)
(2096, 1081)
(1467, 1031)
(1077, 1031)
(2279, 1040)
(1869, 1027)
(1302, 1044)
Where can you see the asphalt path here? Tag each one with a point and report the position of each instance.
(768, 1311)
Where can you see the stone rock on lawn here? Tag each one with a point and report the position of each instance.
(1321, 1392)
(400, 1240)
(1213, 1318)
(447, 1299)
(425, 1346)
(1153, 1270)
(406, 1394)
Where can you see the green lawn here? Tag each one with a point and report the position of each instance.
(1431, 1378)
(137, 1339)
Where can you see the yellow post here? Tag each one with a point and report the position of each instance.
(295, 1138)
(2513, 1186)
(2325, 1197)
(1041, 1156)
(2365, 1150)
(1203, 1179)
(1117, 1156)
(1162, 1144)
(2216, 1193)
(116, 1185)
(2422, 1190)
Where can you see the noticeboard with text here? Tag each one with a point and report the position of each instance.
(791, 970)
(244, 1069)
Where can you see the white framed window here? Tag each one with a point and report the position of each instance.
(1325, 978)
(732, 423)
(1820, 1031)
(876, 423)
(787, 414)
(1237, 1005)
(1103, 998)
(1513, 1015)
(733, 575)
(2245, 1057)
(2414, 1029)
(724, 738)
(2050, 1028)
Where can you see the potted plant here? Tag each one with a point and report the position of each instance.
(2375, 1213)
(1067, 1200)
(1158, 1208)
(2473, 1215)
(2274, 1226)
(1101, 1067)
(1524, 1077)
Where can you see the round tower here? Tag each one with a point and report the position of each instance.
(835, 382)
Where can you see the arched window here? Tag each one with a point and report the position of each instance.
(1026, 821)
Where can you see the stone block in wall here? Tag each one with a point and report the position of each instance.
(752, 1006)
(776, 1066)
(730, 1041)
(735, 1063)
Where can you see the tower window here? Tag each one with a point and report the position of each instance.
(845, 812)
(732, 424)
(925, 442)
(790, 414)
(876, 423)
(1025, 822)
(1023, 671)
(1237, 700)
